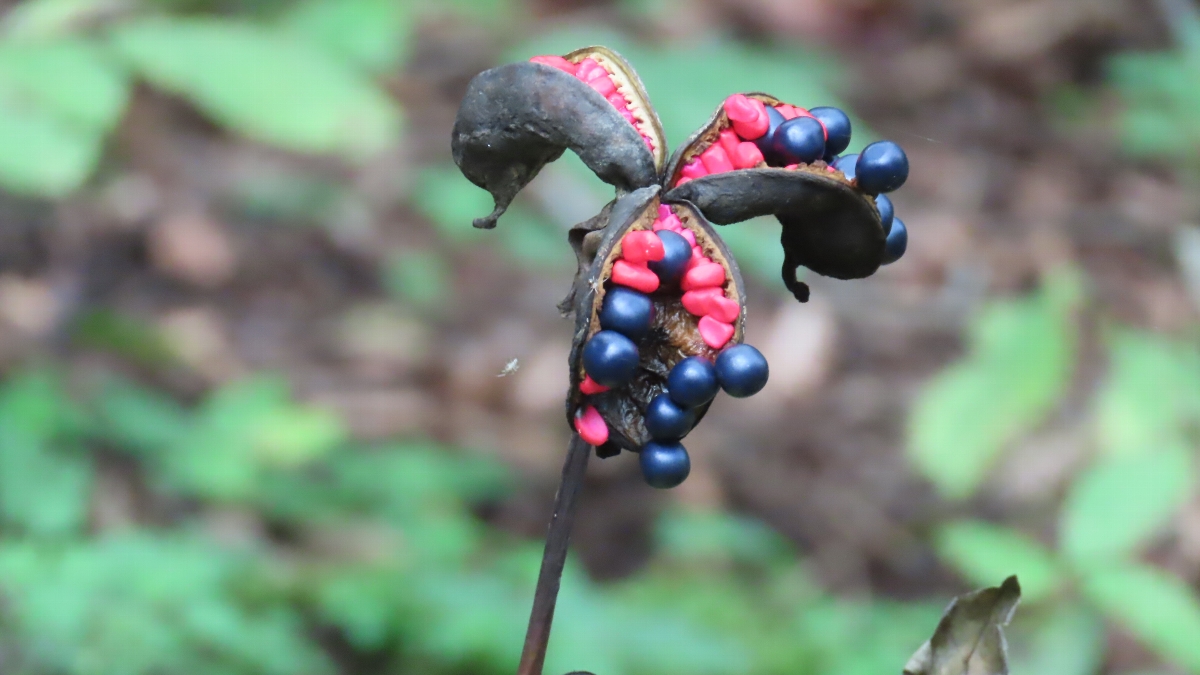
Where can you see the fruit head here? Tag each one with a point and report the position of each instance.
(799, 140)
(837, 128)
(610, 358)
(692, 382)
(897, 242)
(882, 167)
(742, 371)
(627, 312)
(665, 420)
(664, 465)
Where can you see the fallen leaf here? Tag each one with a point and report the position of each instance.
(969, 639)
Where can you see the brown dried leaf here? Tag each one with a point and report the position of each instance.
(969, 639)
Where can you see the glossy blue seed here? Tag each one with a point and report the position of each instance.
(882, 167)
(628, 312)
(846, 164)
(610, 358)
(664, 465)
(692, 382)
(775, 118)
(837, 128)
(742, 371)
(667, 421)
(886, 212)
(678, 252)
(799, 140)
(897, 242)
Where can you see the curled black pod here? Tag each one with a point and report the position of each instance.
(518, 117)
(674, 335)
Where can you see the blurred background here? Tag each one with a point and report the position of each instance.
(251, 414)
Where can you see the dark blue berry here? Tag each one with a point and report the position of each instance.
(764, 142)
(742, 371)
(882, 167)
(800, 140)
(837, 128)
(628, 312)
(667, 421)
(610, 358)
(678, 252)
(897, 242)
(692, 382)
(886, 212)
(846, 164)
(665, 465)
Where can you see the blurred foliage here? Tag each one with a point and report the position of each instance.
(1138, 476)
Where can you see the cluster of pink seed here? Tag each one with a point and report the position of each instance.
(703, 286)
(591, 73)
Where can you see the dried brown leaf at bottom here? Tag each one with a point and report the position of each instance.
(969, 640)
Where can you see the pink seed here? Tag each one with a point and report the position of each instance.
(724, 309)
(786, 110)
(590, 426)
(683, 180)
(637, 277)
(665, 211)
(699, 302)
(618, 101)
(586, 67)
(747, 155)
(694, 169)
(556, 62)
(590, 386)
(649, 141)
(660, 225)
(703, 276)
(672, 222)
(748, 115)
(715, 160)
(640, 247)
(729, 142)
(689, 235)
(628, 117)
(604, 85)
(715, 333)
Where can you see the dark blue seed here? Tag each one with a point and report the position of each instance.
(610, 358)
(628, 312)
(678, 252)
(897, 242)
(764, 142)
(665, 465)
(667, 421)
(692, 382)
(742, 371)
(886, 212)
(846, 164)
(837, 128)
(800, 140)
(882, 167)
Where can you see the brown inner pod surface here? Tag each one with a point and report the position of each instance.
(674, 335)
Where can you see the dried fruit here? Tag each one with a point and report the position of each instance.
(658, 299)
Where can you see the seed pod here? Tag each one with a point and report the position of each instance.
(829, 226)
(518, 117)
(675, 333)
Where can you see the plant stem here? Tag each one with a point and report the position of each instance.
(558, 537)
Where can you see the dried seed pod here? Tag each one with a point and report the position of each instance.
(829, 226)
(675, 333)
(518, 117)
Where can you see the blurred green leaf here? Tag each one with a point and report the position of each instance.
(1117, 504)
(41, 19)
(372, 34)
(716, 536)
(1158, 608)
(420, 277)
(266, 84)
(1019, 364)
(983, 551)
(58, 99)
(124, 335)
(1069, 641)
(1151, 394)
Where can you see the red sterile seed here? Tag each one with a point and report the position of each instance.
(641, 246)
(665, 211)
(699, 302)
(714, 333)
(689, 235)
(590, 426)
(694, 169)
(586, 67)
(724, 309)
(556, 62)
(786, 110)
(703, 276)
(604, 85)
(729, 142)
(715, 160)
(748, 115)
(618, 101)
(590, 386)
(637, 277)
(746, 156)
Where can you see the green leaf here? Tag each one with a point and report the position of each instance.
(371, 34)
(1117, 504)
(1158, 608)
(1070, 641)
(420, 277)
(265, 83)
(41, 19)
(1151, 394)
(983, 551)
(716, 536)
(44, 490)
(1020, 361)
(58, 99)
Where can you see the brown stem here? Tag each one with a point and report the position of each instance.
(537, 636)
